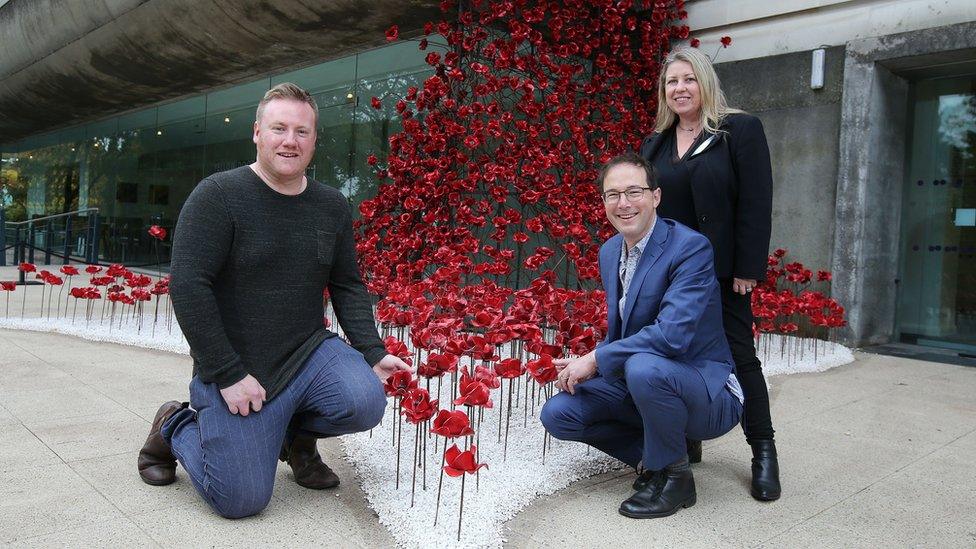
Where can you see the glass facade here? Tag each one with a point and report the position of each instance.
(937, 297)
(138, 168)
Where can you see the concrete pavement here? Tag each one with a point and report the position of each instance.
(876, 453)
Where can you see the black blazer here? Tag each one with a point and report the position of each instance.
(732, 188)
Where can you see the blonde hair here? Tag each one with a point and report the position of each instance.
(287, 90)
(714, 107)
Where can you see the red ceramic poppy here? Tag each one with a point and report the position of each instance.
(473, 392)
(399, 383)
(157, 232)
(457, 463)
(452, 424)
(417, 406)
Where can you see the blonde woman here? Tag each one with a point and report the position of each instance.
(714, 172)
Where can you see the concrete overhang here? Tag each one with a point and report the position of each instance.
(72, 61)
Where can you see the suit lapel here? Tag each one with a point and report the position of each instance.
(655, 247)
(611, 284)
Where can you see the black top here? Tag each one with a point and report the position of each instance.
(675, 181)
(732, 192)
(249, 268)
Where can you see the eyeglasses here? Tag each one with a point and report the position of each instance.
(634, 194)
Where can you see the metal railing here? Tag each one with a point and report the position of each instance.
(27, 238)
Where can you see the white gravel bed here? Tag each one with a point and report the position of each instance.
(499, 491)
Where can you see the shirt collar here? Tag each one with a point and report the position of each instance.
(639, 247)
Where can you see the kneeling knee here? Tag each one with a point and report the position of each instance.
(370, 414)
(555, 419)
(240, 505)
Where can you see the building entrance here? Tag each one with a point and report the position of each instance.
(937, 297)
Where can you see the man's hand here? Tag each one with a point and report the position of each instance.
(244, 396)
(389, 364)
(574, 370)
(743, 286)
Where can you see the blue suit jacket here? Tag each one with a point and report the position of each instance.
(673, 308)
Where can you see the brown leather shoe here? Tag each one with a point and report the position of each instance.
(157, 466)
(307, 465)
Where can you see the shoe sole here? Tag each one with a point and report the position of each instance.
(761, 497)
(684, 505)
(316, 486)
(163, 482)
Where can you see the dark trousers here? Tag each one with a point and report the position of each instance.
(737, 318)
(232, 459)
(646, 415)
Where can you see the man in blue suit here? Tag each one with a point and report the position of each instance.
(664, 371)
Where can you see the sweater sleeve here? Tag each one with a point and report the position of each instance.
(202, 242)
(353, 307)
(753, 208)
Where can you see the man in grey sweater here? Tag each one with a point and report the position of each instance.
(253, 251)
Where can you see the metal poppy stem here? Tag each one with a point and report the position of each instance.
(440, 483)
(399, 445)
(461, 507)
(60, 295)
(416, 452)
(508, 419)
(477, 475)
(502, 397)
(424, 458)
(155, 317)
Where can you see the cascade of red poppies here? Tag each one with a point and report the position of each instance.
(487, 223)
(482, 239)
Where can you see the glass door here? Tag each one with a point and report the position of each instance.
(937, 298)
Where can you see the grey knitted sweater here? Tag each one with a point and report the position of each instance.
(248, 271)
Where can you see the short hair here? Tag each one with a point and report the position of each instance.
(287, 90)
(714, 106)
(629, 159)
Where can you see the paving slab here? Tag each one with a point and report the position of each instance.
(929, 502)
(876, 453)
(49, 499)
(20, 449)
(115, 532)
(85, 437)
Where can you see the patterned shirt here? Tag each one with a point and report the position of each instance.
(628, 266)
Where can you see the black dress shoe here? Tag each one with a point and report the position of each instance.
(307, 465)
(157, 466)
(694, 450)
(765, 471)
(642, 479)
(668, 491)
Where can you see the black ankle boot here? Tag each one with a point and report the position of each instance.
(667, 491)
(765, 471)
(307, 465)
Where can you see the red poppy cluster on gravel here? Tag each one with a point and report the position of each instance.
(114, 295)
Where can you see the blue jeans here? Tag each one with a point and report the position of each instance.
(232, 459)
(644, 416)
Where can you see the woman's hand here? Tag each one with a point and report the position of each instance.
(743, 285)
